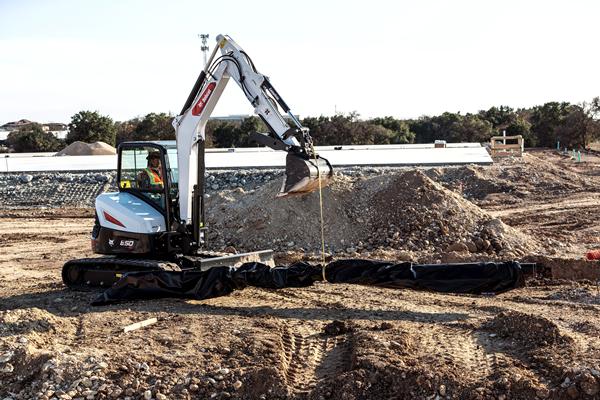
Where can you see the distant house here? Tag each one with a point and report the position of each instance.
(13, 126)
(58, 129)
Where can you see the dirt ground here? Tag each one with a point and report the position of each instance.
(326, 341)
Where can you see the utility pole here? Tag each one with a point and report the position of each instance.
(204, 48)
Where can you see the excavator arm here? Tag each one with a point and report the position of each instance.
(304, 168)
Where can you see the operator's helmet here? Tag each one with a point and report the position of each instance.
(152, 155)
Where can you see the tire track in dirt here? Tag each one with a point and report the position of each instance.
(307, 358)
(460, 350)
(475, 355)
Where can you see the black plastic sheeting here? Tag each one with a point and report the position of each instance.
(473, 278)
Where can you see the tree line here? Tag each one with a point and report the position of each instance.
(573, 125)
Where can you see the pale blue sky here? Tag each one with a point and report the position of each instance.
(401, 58)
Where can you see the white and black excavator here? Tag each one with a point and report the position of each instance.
(156, 220)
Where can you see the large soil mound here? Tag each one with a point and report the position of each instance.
(87, 149)
(402, 210)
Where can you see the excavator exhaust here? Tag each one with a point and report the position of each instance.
(302, 174)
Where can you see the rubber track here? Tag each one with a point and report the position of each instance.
(111, 265)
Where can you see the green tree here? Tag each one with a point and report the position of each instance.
(424, 128)
(125, 130)
(90, 126)
(500, 117)
(32, 138)
(520, 126)
(226, 134)
(452, 127)
(155, 127)
(471, 128)
(401, 129)
(582, 125)
(546, 121)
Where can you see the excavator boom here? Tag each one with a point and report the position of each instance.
(305, 170)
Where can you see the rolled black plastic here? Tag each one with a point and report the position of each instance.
(472, 278)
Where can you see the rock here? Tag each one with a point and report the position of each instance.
(230, 249)
(193, 387)
(102, 365)
(7, 368)
(26, 178)
(214, 186)
(237, 384)
(457, 247)
(160, 396)
(542, 392)
(572, 392)
(147, 395)
(405, 256)
(335, 328)
(6, 356)
(453, 257)
(471, 246)
(442, 390)
(485, 244)
(589, 384)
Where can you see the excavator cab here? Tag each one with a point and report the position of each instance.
(148, 171)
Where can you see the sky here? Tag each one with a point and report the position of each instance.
(127, 58)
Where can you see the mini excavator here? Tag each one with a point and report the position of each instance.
(156, 220)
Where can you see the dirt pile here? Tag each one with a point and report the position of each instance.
(256, 219)
(577, 294)
(87, 149)
(411, 211)
(509, 181)
(404, 210)
(470, 181)
(530, 330)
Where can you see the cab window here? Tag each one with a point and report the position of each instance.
(142, 170)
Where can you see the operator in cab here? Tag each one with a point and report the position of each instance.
(151, 177)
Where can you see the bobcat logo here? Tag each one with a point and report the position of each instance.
(111, 242)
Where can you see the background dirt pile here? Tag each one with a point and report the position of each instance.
(536, 176)
(87, 149)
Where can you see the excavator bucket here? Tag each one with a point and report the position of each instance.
(302, 175)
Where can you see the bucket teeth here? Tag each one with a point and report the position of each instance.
(302, 174)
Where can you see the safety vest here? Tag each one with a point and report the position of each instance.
(155, 179)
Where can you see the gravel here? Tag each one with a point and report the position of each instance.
(79, 189)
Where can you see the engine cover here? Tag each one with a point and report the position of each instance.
(125, 212)
(127, 225)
